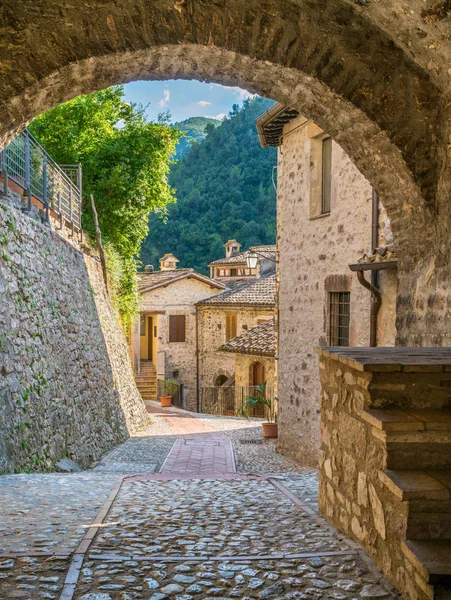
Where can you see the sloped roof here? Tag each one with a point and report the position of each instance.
(259, 340)
(248, 292)
(240, 259)
(150, 281)
(271, 123)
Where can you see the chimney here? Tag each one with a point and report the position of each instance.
(168, 262)
(232, 248)
(148, 269)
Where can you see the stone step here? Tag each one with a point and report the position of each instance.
(429, 526)
(396, 420)
(431, 558)
(418, 454)
(414, 485)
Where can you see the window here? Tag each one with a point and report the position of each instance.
(176, 328)
(339, 317)
(230, 327)
(233, 272)
(142, 325)
(326, 175)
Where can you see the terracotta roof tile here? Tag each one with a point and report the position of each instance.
(259, 340)
(250, 292)
(148, 281)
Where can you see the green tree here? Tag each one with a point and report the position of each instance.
(224, 189)
(126, 161)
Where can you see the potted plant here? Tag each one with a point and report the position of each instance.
(170, 387)
(270, 427)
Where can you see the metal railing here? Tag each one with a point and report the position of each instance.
(57, 187)
(228, 400)
(170, 388)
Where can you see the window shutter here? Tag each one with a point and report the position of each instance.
(327, 175)
(177, 328)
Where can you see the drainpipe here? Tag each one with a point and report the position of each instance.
(373, 287)
(376, 302)
(197, 362)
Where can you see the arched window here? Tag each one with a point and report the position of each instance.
(220, 380)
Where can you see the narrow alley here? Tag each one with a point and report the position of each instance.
(195, 507)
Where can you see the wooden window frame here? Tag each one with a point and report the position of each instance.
(339, 309)
(231, 326)
(142, 325)
(326, 174)
(177, 329)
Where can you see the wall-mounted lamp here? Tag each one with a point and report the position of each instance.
(252, 258)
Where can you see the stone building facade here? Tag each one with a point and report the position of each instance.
(324, 224)
(169, 324)
(205, 314)
(232, 313)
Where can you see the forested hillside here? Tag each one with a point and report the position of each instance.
(193, 130)
(224, 190)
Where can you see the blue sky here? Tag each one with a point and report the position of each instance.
(184, 99)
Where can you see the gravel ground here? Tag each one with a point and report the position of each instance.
(253, 458)
(42, 513)
(335, 578)
(30, 578)
(204, 517)
(143, 453)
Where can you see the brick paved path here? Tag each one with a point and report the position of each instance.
(166, 516)
(199, 449)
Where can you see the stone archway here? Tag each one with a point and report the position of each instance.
(376, 83)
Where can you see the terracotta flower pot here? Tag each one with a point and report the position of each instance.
(166, 400)
(270, 430)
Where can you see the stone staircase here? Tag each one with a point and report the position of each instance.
(146, 381)
(417, 479)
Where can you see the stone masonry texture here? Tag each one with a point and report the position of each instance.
(375, 75)
(66, 384)
(312, 265)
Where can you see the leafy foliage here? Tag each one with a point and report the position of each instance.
(193, 130)
(126, 161)
(224, 190)
(259, 397)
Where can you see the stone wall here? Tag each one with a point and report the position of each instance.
(179, 298)
(314, 256)
(212, 332)
(243, 363)
(66, 385)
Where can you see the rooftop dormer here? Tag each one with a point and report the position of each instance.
(168, 262)
(232, 248)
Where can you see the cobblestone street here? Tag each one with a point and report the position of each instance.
(195, 507)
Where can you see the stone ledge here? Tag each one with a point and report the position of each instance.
(390, 359)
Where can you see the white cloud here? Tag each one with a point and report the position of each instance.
(203, 103)
(218, 117)
(242, 94)
(165, 99)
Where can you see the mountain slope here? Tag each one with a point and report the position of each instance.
(194, 130)
(224, 190)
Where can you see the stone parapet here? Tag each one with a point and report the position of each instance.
(385, 430)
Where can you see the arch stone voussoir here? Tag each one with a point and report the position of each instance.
(373, 76)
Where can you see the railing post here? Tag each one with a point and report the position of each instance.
(28, 170)
(45, 198)
(4, 171)
(71, 219)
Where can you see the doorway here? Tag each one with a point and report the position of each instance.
(147, 349)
